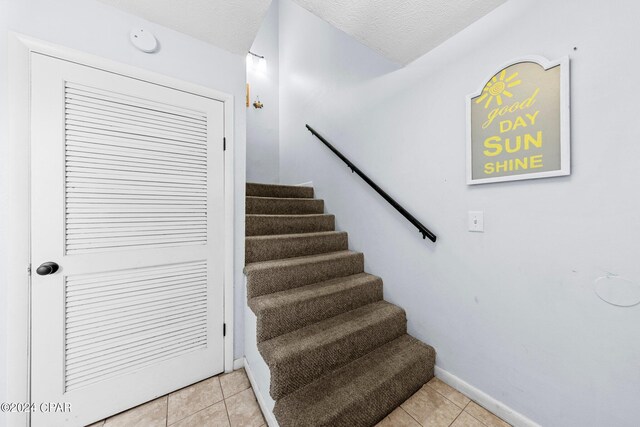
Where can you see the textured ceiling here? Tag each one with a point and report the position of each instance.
(229, 24)
(400, 30)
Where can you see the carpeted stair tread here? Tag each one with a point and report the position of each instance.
(280, 246)
(338, 354)
(299, 357)
(267, 277)
(286, 311)
(261, 225)
(283, 206)
(275, 190)
(363, 392)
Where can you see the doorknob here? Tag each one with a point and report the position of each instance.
(47, 268)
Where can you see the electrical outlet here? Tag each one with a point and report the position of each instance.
(476, 221)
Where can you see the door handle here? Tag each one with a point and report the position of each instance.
(47, 268)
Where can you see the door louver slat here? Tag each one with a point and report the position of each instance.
(112, 355)
(103, 161)
(89, 110)
(132, 164)
(144, 329)
(104, 117)
(159, 313)
(139, 317)
(132, 147)
(81, 91)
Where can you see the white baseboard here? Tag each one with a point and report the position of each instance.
(238, 363)
(305, 184)
(266, 411)
(500, 409)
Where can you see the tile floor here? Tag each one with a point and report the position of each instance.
(228, 401)
(437, 404)
(223, 401)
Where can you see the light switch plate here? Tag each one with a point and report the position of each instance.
(476, 221)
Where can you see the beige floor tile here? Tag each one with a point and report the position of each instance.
(194, 398)
(234, 382)
(430, 408)
(243, 410)
(466, 420)
(150, 414)
(398, 418)
(484, 416)
(98, 424)
(213, 416)
(449, 392)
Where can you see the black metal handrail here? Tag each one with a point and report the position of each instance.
(421, 228)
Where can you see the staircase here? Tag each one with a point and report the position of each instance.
(338, 354)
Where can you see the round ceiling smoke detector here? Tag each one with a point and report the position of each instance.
(144, 40)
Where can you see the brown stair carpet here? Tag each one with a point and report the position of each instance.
(260, 225)
(339, 355)
(272, 276)
(299, 357)
(278, 206)
(266, 248)
(362, 392)
(286, 311)
(280, 191)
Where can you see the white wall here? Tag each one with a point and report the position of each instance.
(511, 311)
(262, 124)
(94, 27)
(263, 158)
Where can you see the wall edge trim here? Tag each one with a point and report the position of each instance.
(492, 404)
(238, 363)
(268, 414)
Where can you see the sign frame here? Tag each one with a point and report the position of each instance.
(565, 121)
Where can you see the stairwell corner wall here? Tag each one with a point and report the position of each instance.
(512, 311)
(263, 123)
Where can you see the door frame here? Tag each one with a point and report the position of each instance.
(19, 210)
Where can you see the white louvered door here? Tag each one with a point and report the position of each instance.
(127, 198)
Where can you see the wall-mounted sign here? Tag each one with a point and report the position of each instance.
(518, 123)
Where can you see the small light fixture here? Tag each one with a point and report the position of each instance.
(256, 61)
(262, 65)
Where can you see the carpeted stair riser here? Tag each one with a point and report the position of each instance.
(286, 311)
(286, 191)
(302, 356)
(266, 248)
(363, 392)
(268, 277)
(279, 206)
(338, 354)
(261, 225)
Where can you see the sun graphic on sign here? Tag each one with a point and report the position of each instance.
(497, 87)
